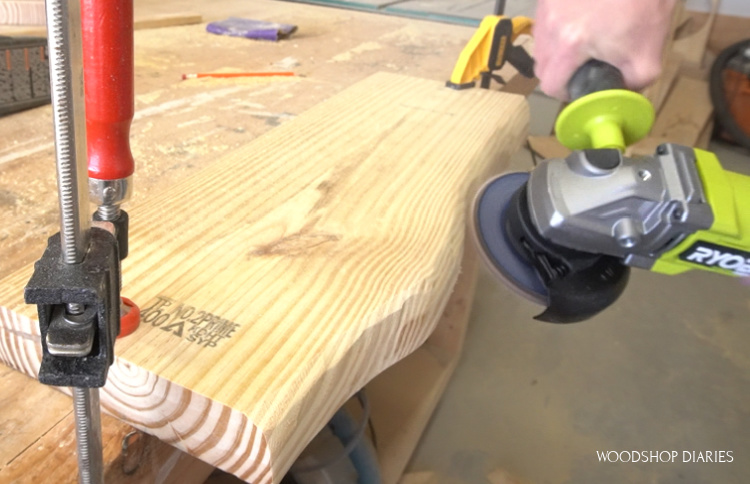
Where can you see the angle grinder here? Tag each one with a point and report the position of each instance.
(566, 234)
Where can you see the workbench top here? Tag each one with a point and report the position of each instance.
(182, 126)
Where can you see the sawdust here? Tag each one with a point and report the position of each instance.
(287, 63)
(213, 82)
(349, 54)
(149, 97)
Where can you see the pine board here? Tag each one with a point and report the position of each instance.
(285, 276)
(22, 12)
(405, 395)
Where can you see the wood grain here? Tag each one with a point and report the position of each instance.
(177, 132)
(285, 276)
(140, 22)
(547, 147)
(22, 12)
(182, 126)
(404, 396)
(35, 450)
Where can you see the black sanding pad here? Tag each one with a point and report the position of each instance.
(488, 220)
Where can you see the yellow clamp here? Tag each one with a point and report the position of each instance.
(495, 31)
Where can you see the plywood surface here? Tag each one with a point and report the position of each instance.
(182, 126)
(290, 272)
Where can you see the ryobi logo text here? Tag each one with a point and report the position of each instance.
(712, 255)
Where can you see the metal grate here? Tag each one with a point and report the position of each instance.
(24, 73)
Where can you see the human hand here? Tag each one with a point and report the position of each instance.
(629, 34)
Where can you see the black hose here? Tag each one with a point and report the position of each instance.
(721, 106)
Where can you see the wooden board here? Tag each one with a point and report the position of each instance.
(139, 23)
(161, 21)
(520, 85)
(33, 452)
(181, 127)
(282, 278)
(401, 411)
(22, 12)
(547, 147)
(682, 119)
(404, 396)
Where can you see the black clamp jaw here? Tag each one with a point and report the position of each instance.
(121, 223)
(79, 311)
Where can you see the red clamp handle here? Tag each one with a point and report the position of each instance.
(107, 38)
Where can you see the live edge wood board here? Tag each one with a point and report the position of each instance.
(285, 276)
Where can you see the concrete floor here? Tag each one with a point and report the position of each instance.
(664, 369)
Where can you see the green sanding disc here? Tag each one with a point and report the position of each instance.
(613, 118)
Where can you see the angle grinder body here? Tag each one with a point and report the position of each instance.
(566, 234)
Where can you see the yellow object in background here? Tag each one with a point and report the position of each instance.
(488, 50)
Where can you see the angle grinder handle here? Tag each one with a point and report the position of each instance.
(594, 76)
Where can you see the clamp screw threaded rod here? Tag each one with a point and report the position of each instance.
(66, 82)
